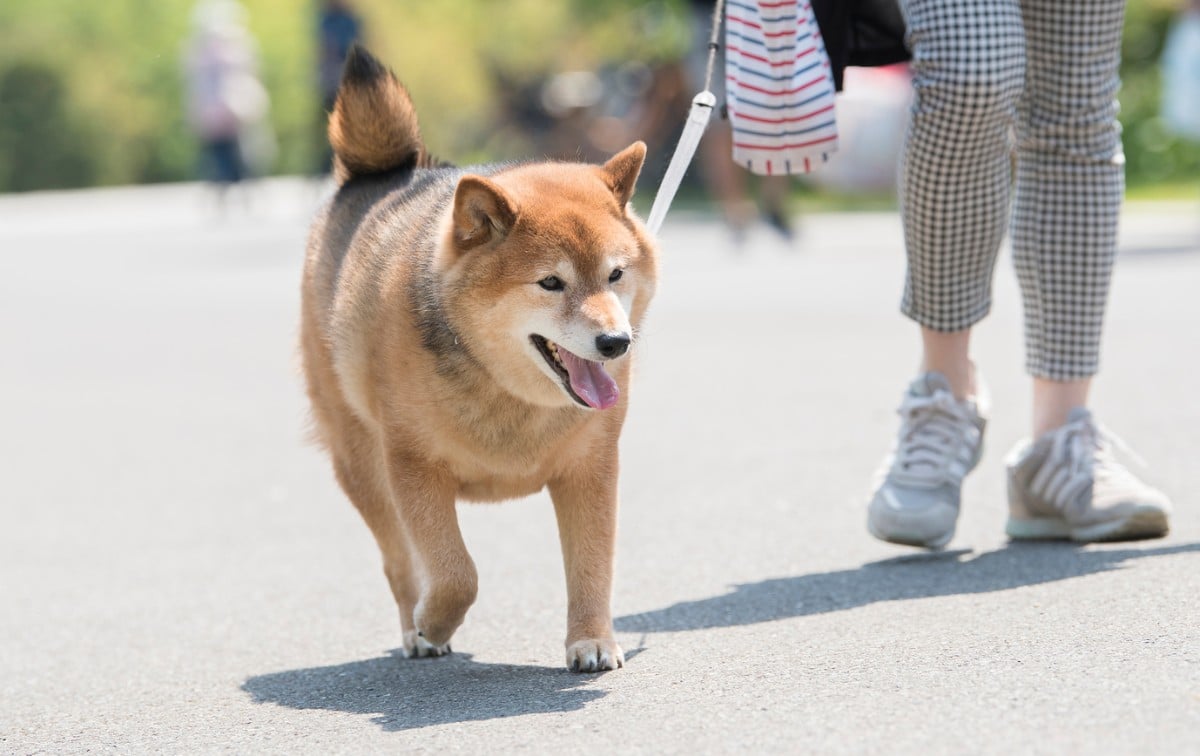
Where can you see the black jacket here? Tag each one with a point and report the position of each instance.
(861, 33)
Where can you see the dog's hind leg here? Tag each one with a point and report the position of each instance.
(586, 507)
(372, 498)
(425, 498)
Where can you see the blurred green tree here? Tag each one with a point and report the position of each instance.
(42, 145)
(96, 97)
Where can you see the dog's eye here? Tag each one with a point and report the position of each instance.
(615, 275)
(551, 283)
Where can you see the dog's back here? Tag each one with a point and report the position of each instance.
(382, 216)
(378, 152)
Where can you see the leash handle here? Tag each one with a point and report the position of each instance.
(697, 121)
(698, 117)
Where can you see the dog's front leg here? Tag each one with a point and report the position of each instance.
(586, 507)
(425, 500)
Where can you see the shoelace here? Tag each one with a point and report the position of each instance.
(932, 429)
(1080, 453)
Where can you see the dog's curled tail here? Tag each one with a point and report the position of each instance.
(373, 126)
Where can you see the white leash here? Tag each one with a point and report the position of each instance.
(697, 121)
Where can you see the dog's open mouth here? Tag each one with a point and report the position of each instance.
(587, 382)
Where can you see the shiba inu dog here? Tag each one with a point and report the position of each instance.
(467, 334)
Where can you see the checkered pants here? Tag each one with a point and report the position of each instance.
(1049, 69)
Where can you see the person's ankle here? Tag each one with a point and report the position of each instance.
(963, 383)
(1053, 402)
(948, 353)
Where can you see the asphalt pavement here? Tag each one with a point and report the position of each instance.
(179, 572)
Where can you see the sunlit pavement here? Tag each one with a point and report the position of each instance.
(179, 572)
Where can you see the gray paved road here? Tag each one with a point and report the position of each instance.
(179, 573)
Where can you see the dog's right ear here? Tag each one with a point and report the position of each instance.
(483, 212)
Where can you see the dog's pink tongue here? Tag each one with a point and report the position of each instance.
(590, 381)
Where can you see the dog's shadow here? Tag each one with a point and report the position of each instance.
(406, 695)
(402, 694)
(916, 576)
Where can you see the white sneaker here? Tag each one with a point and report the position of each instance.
(941, 440)
(1068, 484)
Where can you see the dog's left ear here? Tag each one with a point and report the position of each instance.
(621, 171)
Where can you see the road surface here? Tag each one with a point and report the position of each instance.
(179, 572)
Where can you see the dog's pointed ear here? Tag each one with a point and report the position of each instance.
(483, 212)
(621, 171)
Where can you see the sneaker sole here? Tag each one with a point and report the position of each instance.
(905, 539)
(1147, 523)
(934, 544)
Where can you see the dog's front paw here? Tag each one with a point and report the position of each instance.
(443, 606)
(594, 655)
(416, 647)
(436, 627)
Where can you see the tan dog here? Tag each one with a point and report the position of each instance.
(465, 335)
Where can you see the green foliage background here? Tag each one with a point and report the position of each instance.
(91, 90)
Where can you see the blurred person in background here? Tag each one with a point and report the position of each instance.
(338, 28)
(227, 104)
(726, 181)
(592, 114)
(1181, 74)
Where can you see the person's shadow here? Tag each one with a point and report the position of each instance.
(908, 577)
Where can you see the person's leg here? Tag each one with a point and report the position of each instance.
(1070, 181)
(955, 172)
(968, 69)
(725, 181)
(1067, 483)
(772, 200)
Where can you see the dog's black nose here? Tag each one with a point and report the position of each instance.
(612, 344)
